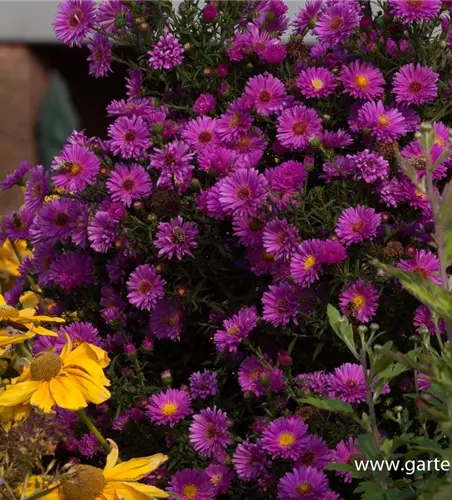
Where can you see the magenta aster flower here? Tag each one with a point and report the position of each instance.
(336, 138)
(204, 104)
(145, 287)
(280, 305)
(17, 224)
(362, 80)
(267, 93)
(191, 484)
(129, 136)
(256, 378)
(356, 224)
(209, 432)
(420, 10)
(423, 316)
(75, 168)
(415, 84)
(249, 230)
(297, 126)
(100, 57)
(77, 332)
(43, 257)
(176, 237)
(250, 461)
(173, 163)
(165, 320)
(220, 477)
(128, 183)
(203, 384)
(167, 53)
(233, 124)
(112, 16)
(424, 264)
(316, 82)
(304, 483)
(275, 52)
(285, 180)
(236, 329)
(217, 158)
(315, 453)
(243, 192)
(17, 176)
(200, 132)
(333, 252)
(280, 238)
(386, 124)
(369, 166)
(360, 301)
(74, 21)
(285, 438)
(71, 270)
(306, 262)
(169, 407)
(102, 232)
(343, 454)
(56, 218)
(337, 21)
(347, 383)
(415, 156)
(307, 17)
(316, 382)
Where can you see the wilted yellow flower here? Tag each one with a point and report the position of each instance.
(9, 264)
(70, 380)
(115, 482)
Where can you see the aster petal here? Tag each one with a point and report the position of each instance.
(135, 469)
(19, 393)
(42, 397)
(66, 393)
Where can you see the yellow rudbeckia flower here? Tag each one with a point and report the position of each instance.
(115, 482)
(9, 265)
(70, 380)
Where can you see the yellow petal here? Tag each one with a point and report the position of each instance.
(42, 398)
(6, 339)
(2, 301)
(91, 368)
(91, 389)
(67, 347)
(40, 330)
(112, 458)
(19, 393)
(87, 351)
(67, 393)
(148, 490)
(29, 299)
(133, 491)
(135, 469)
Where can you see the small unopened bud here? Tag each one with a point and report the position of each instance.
(362, 329)
(166, 377)
(147, 345)
(417, 135)
(374, 327)
(249, 65)
(187, 46)
(104, 170)
(3, 366)
(152, 218)
(284, 358)
(277, 160)
(138, 205)
(398, 409)
(207, 71)
(426, 127)
(129, 349)
(443, 44)
(144, 26)
(195, 184)
(315, 142)
(326, 118)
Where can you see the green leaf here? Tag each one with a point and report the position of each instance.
(444, 493)
(342, 328)
(332, 405)
(445, 213)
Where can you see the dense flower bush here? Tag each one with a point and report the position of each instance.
(260, 212)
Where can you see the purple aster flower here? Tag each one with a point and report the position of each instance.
(56, 218)
(315, 381)
(100, 57)
(280, 305)
(112, 306)
(17, 224)
(203, 384)
(234, 123)
(145, 287)
(79, 234)
(165, 320)
(415, 156)
(217, 158)
(176, 237)
(425, 264)
(204, 104)
(88, 445)
(75, 168)
(339, 167)
(415, 84)
(347, 383)
(112, 16)
(360, 301)
(343, 454)
(420, 10)
(220, 477)
(248, 230)
(37, 188)
(297, 126)
(369, 166)
(43, 257)
(357, 224)
(12, 296)
(71, 270)
(306, 261)
(386, 124)
(304, 483)
(390, 192)
(280, 238)
(333, 252)
(169, 407)
(285, 438)
(267, 93)
(257, 378)
(251, 146)
(134, 81)
(167, 53)
(209, 432)
(129, 136)
(78, 333)
(191, 484)
(173, 163)
(17, 176)
(74, 21)
(275, 52)
(200, 132)
(336, 138)
(316, 82)
(315, 453)
(307, 17)
(362, 80)
(102, 232)
(236, 329)
(337, 21)
(243, 192)
(250, 461)
(128, 183)
(286, 180)
(423, 316)
(138, 106)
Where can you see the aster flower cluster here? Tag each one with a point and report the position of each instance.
(244, 183)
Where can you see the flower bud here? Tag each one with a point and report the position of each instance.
(129, 349)
(284, 358)
(147, 345)
(187, 46)
(209, 13)
(166, 377)
(104, 170)
(207, 71)
(374, 327)
(362, 329)
(138, 205)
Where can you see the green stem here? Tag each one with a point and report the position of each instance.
(89, 423)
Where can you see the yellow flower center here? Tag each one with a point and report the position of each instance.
(383, 121)
(362, 81)
(440, 142)
(286, 439)
(309, 262)
(83, 483)
(420, 194)
(317, 84)
(304, 488)
(216, 479)
(190, 491)
(8, 312)
(169, 409)
(359, 301)
(45, 366)
(76, 169)
(233, 331)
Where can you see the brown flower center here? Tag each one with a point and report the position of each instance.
(45, 366)
(243, 192)
(336, 23)
(299, 128)
(205, 137)
(130, 136)
(211, 432)
(308, 458)
(415, 4)
(145, 287)
(61, 219)
(178, 235)
(128, 185)
(265, 96)
(85, 483)
(76, 18)
(415, 87)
